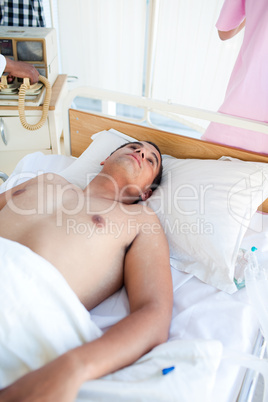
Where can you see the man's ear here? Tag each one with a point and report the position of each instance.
(102, 163)
(146, 194)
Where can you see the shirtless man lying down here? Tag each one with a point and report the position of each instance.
(38, 213)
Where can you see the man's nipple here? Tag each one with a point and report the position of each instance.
(98, 220)
(18, 192)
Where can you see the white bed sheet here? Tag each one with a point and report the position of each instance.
(200, 311)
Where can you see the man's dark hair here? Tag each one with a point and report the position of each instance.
(158, 178)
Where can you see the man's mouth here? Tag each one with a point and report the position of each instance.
(137, 159)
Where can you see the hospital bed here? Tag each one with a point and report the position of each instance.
(207, 204)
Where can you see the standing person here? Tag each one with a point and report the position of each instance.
(247, 91)
(22, 13)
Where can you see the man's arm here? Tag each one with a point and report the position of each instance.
(149, 287)
(148, 282)
(224, 35)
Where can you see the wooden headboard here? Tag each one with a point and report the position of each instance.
(83, 125)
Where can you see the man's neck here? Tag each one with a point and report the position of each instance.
(107, 188)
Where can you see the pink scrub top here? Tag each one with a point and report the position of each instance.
(247, 91)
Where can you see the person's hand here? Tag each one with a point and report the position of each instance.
(57, 381)
(21, 69)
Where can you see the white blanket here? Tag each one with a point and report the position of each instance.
(195, 365)
(41, 318)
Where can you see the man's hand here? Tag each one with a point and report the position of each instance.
(21, 69)
(58, 381)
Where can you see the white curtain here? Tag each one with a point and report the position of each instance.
(102, 42)
(192, 65)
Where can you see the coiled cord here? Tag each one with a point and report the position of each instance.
(3, 82)
(21, 105)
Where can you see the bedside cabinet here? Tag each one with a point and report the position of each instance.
(16, 141)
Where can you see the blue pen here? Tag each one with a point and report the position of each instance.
(168, 370)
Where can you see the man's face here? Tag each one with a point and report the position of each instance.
(138, 163)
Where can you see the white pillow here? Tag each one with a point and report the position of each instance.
(87, 166)
(34, 164)
(205, 207)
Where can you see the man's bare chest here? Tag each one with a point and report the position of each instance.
(70, 209)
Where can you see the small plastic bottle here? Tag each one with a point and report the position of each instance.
(245, 258)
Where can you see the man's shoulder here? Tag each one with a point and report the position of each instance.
(142, 212)
(52, 178)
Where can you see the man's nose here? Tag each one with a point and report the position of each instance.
(141, 151)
